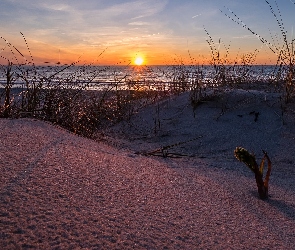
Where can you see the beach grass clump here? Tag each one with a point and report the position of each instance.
(249, 159)
(231, 73)
(222, 74)
(282, 47)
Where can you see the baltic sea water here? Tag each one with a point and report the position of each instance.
(101, 77)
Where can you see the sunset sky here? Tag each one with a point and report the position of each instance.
(161, 32)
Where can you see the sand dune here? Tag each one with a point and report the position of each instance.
(62, 191)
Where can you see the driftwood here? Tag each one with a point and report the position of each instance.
(163, 151)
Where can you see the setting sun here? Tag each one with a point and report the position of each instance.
(138, 61)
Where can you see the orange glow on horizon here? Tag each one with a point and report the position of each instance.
(46, 53)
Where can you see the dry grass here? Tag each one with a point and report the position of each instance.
(282, 47)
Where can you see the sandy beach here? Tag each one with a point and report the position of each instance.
(62, 191)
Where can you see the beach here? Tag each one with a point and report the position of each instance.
(120, 191)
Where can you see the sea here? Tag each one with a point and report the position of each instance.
(136, 77)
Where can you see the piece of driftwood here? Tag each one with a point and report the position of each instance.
(164, 151)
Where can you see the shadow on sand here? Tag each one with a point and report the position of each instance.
(282, 206)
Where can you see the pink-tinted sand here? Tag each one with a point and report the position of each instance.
(62, 191)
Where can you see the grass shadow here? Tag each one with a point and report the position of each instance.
(282, 206)
(287, 209)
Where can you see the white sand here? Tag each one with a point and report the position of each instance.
(61, 191)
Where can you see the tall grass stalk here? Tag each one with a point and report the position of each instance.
(8, 86)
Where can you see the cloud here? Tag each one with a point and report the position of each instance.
(139, 23)
(137, 17)
(134, 9)
(251, 36)
(196, 15)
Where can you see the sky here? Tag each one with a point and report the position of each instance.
(111, 32)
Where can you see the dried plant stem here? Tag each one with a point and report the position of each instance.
(9, 81)
(249, 159)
